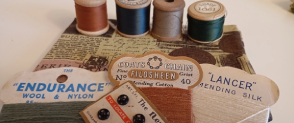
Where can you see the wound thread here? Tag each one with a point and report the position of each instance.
(167, 19)
(205, 21)
(212, 106)
(56, 112)
(91, 17)
(205, 31)
(133, 17)
(174, 103)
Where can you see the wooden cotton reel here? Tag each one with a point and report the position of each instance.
(205, 21)
(133, 17)
(91, 17)
(167, 19)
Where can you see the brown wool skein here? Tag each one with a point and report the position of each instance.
(91, 17)
(174, 103)
(167, 19)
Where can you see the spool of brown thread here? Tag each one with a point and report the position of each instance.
(167, 19)
(91, 17)
(174, 103)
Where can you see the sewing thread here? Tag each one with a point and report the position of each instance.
(212, 106)
(56, 112)
(205, 21)
(167, 19)
(91, 17)
(174, 103)
(205, 30)
(133, 17)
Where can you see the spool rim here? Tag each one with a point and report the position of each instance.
(90, 3)
(93, 33)
(166, 38)
(206, 42)
(169, 6)
(206, 16)
(132, 36)
(128, 6)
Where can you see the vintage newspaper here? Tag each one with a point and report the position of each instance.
(95, 53)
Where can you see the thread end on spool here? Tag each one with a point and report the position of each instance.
(96, 33)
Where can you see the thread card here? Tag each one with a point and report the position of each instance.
(236, 82)
(240, 96)
(56, 85)
(124, 104)
(156, 69)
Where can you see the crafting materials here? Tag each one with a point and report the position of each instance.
(174, 103)
(114, 108)
(91, 17)
(83, 48)
(167, 19)
(165, 80)
(56, 112)
(205, 21)
(133, 17)
(227, 94)
(212, 106)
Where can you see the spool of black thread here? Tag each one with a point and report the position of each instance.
(133, 17)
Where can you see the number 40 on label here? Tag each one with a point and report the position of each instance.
(186, 81)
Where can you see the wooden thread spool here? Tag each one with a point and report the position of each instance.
(133, 17)
(210, 17)
(168, 19)
(91, 17)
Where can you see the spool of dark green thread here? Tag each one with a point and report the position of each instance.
(205, 21)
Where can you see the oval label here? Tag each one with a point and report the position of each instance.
(56, 85)
(155, 69)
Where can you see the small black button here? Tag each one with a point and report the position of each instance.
(103, 114)
(123, 99)
(139, 118)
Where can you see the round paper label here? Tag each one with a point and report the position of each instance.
(207, 7)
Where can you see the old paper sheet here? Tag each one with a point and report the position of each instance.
(95, 53)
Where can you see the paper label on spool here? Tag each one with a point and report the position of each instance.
(235, 82)
(133, 2)
(122, 105)
(56, 85)
(207, 7)
(155, 69)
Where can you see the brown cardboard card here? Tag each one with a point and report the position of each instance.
(156, 69)
(123, 105)
(56, 85)
(237, 95)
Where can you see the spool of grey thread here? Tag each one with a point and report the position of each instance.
(167, 19)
